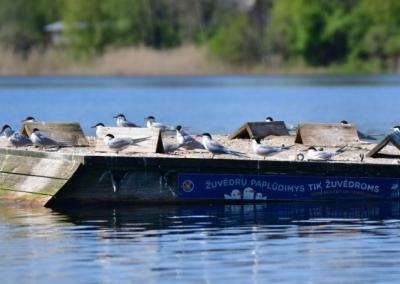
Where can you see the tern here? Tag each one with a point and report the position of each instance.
(360, 134)
(151, 123)
(186, 140)
(98, 127)
(215, 148)
(7, 131)
(123, 122)
(121, 143)
(396, 128)
(266, 150)
(41, 140)
(320, 154)
(269, 119)
(29, 119)
(16, 139)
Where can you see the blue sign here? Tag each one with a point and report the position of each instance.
(280, 187)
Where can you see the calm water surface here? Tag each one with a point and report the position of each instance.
(278, 243)
(295, 243)
(212, 104)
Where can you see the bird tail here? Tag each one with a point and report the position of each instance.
(341, 149)
(237, 153)
(138, 140)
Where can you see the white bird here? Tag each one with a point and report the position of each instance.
(41, 140)
(314, 154)
(186, 140)
(265, 150)
(151, 123)
(121, 143)
(98, 127)
(7, 131)
(16, 139)
(248, 193)
(123, 122)
(360, 134)
(269, 119)
(215, 148)
(29, 119)
(396, 128)
(235, 195)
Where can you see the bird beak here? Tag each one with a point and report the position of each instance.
(115, 116)
(94, 126)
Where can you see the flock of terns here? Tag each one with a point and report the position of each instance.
(183, 139)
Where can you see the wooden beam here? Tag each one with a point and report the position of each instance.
(260, 130)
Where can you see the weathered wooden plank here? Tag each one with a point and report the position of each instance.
(153, 144)
(260, 130)
(23, 184)
(393, 138)
(328, 134)
(52, 168)
(67, 133)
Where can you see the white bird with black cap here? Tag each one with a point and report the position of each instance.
(98, 127)
(265, 150)
(121, 143)
(29, 119)
(186, 140)
(152, 123)
(215, 148)
(40, 140)
(321, 154)
(123, 122)
(14, 138)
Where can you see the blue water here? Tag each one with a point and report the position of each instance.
(204, 104)
(272, 243)
(277, 243)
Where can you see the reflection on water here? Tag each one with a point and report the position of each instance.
(285, 242)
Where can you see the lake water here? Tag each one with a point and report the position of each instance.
(279, 243)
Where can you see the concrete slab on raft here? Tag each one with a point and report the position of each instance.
(66, 133)
(260, 130)
(153, 144)
(326, 134)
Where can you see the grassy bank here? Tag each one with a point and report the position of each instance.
(186, 60)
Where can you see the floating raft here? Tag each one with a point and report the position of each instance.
(75, 175)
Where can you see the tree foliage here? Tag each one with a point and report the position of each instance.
(318, 32)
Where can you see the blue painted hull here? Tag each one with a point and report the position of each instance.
(235, 187)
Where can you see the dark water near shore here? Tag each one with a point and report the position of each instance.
(279, 243)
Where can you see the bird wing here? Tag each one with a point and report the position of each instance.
(18, 139)
(190, 143)
(128, 124)
(267, 150)
(138, 140)
(48, 141)
(214, 146)
(119, 143)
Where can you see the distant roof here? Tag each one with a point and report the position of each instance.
(54, 27)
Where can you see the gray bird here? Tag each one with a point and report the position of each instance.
(6, 131)
(186, 140)
(123, 122)
(320, 154)
(40, 140)
(151, 123)
(266, 150)
(215, 148)
(16, 139)
(121, 143)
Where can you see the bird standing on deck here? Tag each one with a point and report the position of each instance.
(151, 123)
(40, 140)
(215, 148)
(314, 154)
(14, 138)
(98, 127)
(265, 150)
(123, 122)
(186, 140)
(119, 144)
